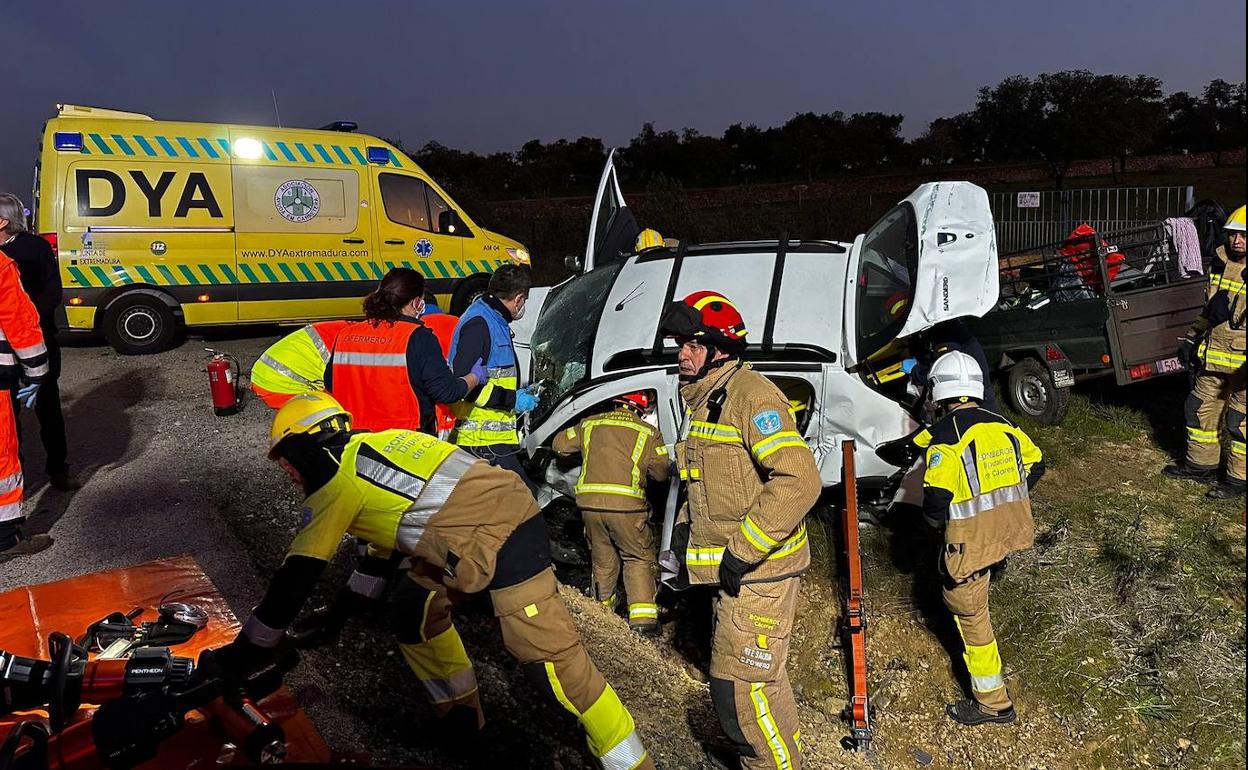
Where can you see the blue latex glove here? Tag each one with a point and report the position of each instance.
(907, 365)
(525, 401)
(28, 394)
(479, 371)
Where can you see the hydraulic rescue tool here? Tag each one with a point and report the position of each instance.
(143, 694)
(853, 626)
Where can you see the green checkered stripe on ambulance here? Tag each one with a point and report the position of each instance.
(222, 274)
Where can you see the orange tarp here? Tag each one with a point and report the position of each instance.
(31, 613)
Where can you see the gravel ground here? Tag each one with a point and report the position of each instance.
(163, 476)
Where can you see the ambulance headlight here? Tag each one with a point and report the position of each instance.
(248, 148)
(519, 256)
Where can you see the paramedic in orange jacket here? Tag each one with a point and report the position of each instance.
(388, 370)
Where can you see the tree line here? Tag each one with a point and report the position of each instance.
(1055, 118)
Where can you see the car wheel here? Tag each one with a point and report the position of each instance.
(138, 325)
(1030, 391)
(467, 292)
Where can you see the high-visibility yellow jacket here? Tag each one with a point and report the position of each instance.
(752, 478)
(295, 364)
(410, 492)
(980, 468)
(1222, 344)
(620, 450)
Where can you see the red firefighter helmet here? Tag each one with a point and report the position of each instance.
(708, 317)
(639, 400)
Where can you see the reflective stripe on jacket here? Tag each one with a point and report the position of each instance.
(1222, 345)
(751, 477)
(478, 424)
(296, 363)
(410, 492)
(978, 465)
(370, 376)
(619, 452)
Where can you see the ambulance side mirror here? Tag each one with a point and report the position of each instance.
(450, 223)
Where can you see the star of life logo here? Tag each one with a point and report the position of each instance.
(297, 201)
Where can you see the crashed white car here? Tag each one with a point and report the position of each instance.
(814, 311)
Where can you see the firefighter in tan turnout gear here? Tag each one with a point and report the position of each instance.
(751, 481)
(468, 527)
(1214, 350)
(980, 469)
(620, 451)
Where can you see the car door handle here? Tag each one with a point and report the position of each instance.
(352, 240)
(395, 242)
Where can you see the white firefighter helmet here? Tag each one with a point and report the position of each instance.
(956, 375)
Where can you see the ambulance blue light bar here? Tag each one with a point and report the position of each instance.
(379, 155)
(68, 140)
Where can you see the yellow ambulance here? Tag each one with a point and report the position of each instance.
(160, 224)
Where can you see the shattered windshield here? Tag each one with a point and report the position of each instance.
(564, 337)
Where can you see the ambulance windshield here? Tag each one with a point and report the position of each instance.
(564, 336)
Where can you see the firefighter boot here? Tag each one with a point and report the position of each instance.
(1229, 489)
(970, 713)
(1193, 473)
(26, 546)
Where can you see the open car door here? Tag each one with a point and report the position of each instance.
(612, 228)
(932, 258)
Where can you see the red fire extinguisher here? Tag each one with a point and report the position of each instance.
(223, 381)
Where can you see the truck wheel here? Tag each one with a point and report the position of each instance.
(1030, 391)
(138, 325)
(467, 292)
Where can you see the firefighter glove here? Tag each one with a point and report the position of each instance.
(1187, 352)
(479, 371)
(525, 401)
(233, 664)
(28, 394)
(324, 624)
(731, 570)
(908, 364)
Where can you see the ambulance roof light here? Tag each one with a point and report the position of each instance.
(346, 126)
(380, 155)
(69, 141)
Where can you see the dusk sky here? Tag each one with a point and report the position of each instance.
(491, 75)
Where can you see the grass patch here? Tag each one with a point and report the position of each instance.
(1128, 618)
(1088, 422)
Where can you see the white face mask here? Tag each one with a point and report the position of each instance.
(518, 313)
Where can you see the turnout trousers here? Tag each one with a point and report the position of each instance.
(750, 687)
(968, 601)
(538, 632)
(624, 542)
(1216, 397)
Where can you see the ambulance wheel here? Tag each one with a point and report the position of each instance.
(1030, 391)
(467, 292)
(138, 325)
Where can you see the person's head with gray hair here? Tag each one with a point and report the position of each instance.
(12, 213)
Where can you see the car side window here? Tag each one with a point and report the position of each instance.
(886, 277)
(403, 198)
